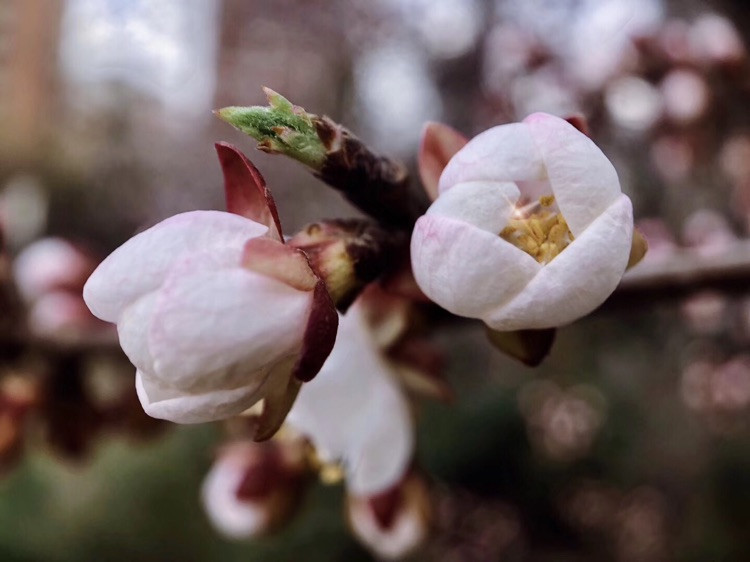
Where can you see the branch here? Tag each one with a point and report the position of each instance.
(683, 273)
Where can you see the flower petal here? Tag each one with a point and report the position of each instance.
(354, 411)
(141, 264)
(320, 335)
(132, 329)
(466, 270)
(200, 407)
(486, 205)
(234, 518)
(278, 397)
(583, 180)
(578, 280)
(502, 154)
(437, 146)
(275, 259)
(245, 189)
(210, 316)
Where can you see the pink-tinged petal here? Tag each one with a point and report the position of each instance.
(177, 406)
(354, 411)
(132, 329)
(466, 270)
(209, 317)
(141, 264)
(320, 334)
(278, 398)
(245, 189)
(583, 180)
(486, 205)
(284, 263)
(502, 154)
(437, 146)
(578, 280)
(234, 518)
(403, 527)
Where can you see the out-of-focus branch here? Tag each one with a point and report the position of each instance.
(683, 273)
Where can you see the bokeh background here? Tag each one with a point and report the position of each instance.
(630, 443)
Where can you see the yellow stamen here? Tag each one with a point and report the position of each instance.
(542, 235)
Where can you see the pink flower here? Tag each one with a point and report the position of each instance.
(529, 229)
(215, 311)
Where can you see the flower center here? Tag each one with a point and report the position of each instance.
(538, 230)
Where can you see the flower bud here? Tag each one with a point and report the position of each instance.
(215, 311)
(253, 488)
(395, 522)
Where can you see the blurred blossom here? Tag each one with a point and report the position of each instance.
(735, 159)
(51, 264)
(397, 95)
(705, 312)
(603, 32)
(395, 522)
(18, 395)
(542, 90)
(474, 528)
(730, 385)
(673, 157)
(661, 242)
(642, 527)
(562, 423)
(686, 96)
(674, 40)
(633, 102)
(508, 51)
(708, 232)
(164, 49)
(591, 506)
(714, 39)
(253, 488)
(718, 391)
(50, 274)
(23, 210)
(449, 28)
(696, 378)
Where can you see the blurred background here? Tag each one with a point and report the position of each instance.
(631, 442)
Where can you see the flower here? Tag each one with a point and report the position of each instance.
(393, 523)
(529, 231)
(355, 413)
(215, 311)
(253, 488)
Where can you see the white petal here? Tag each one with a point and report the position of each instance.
(502, 154)
(209, 317)
(486, 205)
(355, 412)
(183, 407)
(578, 280)
(583, 180)
(141, 264)
(132, 329)
(234, 518)
(466, 270)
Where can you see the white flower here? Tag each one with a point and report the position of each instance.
(215, 312)
(394, 523)
(252, 488)
(355, 413)
(530, 229)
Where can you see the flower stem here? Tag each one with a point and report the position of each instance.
(377, 185)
